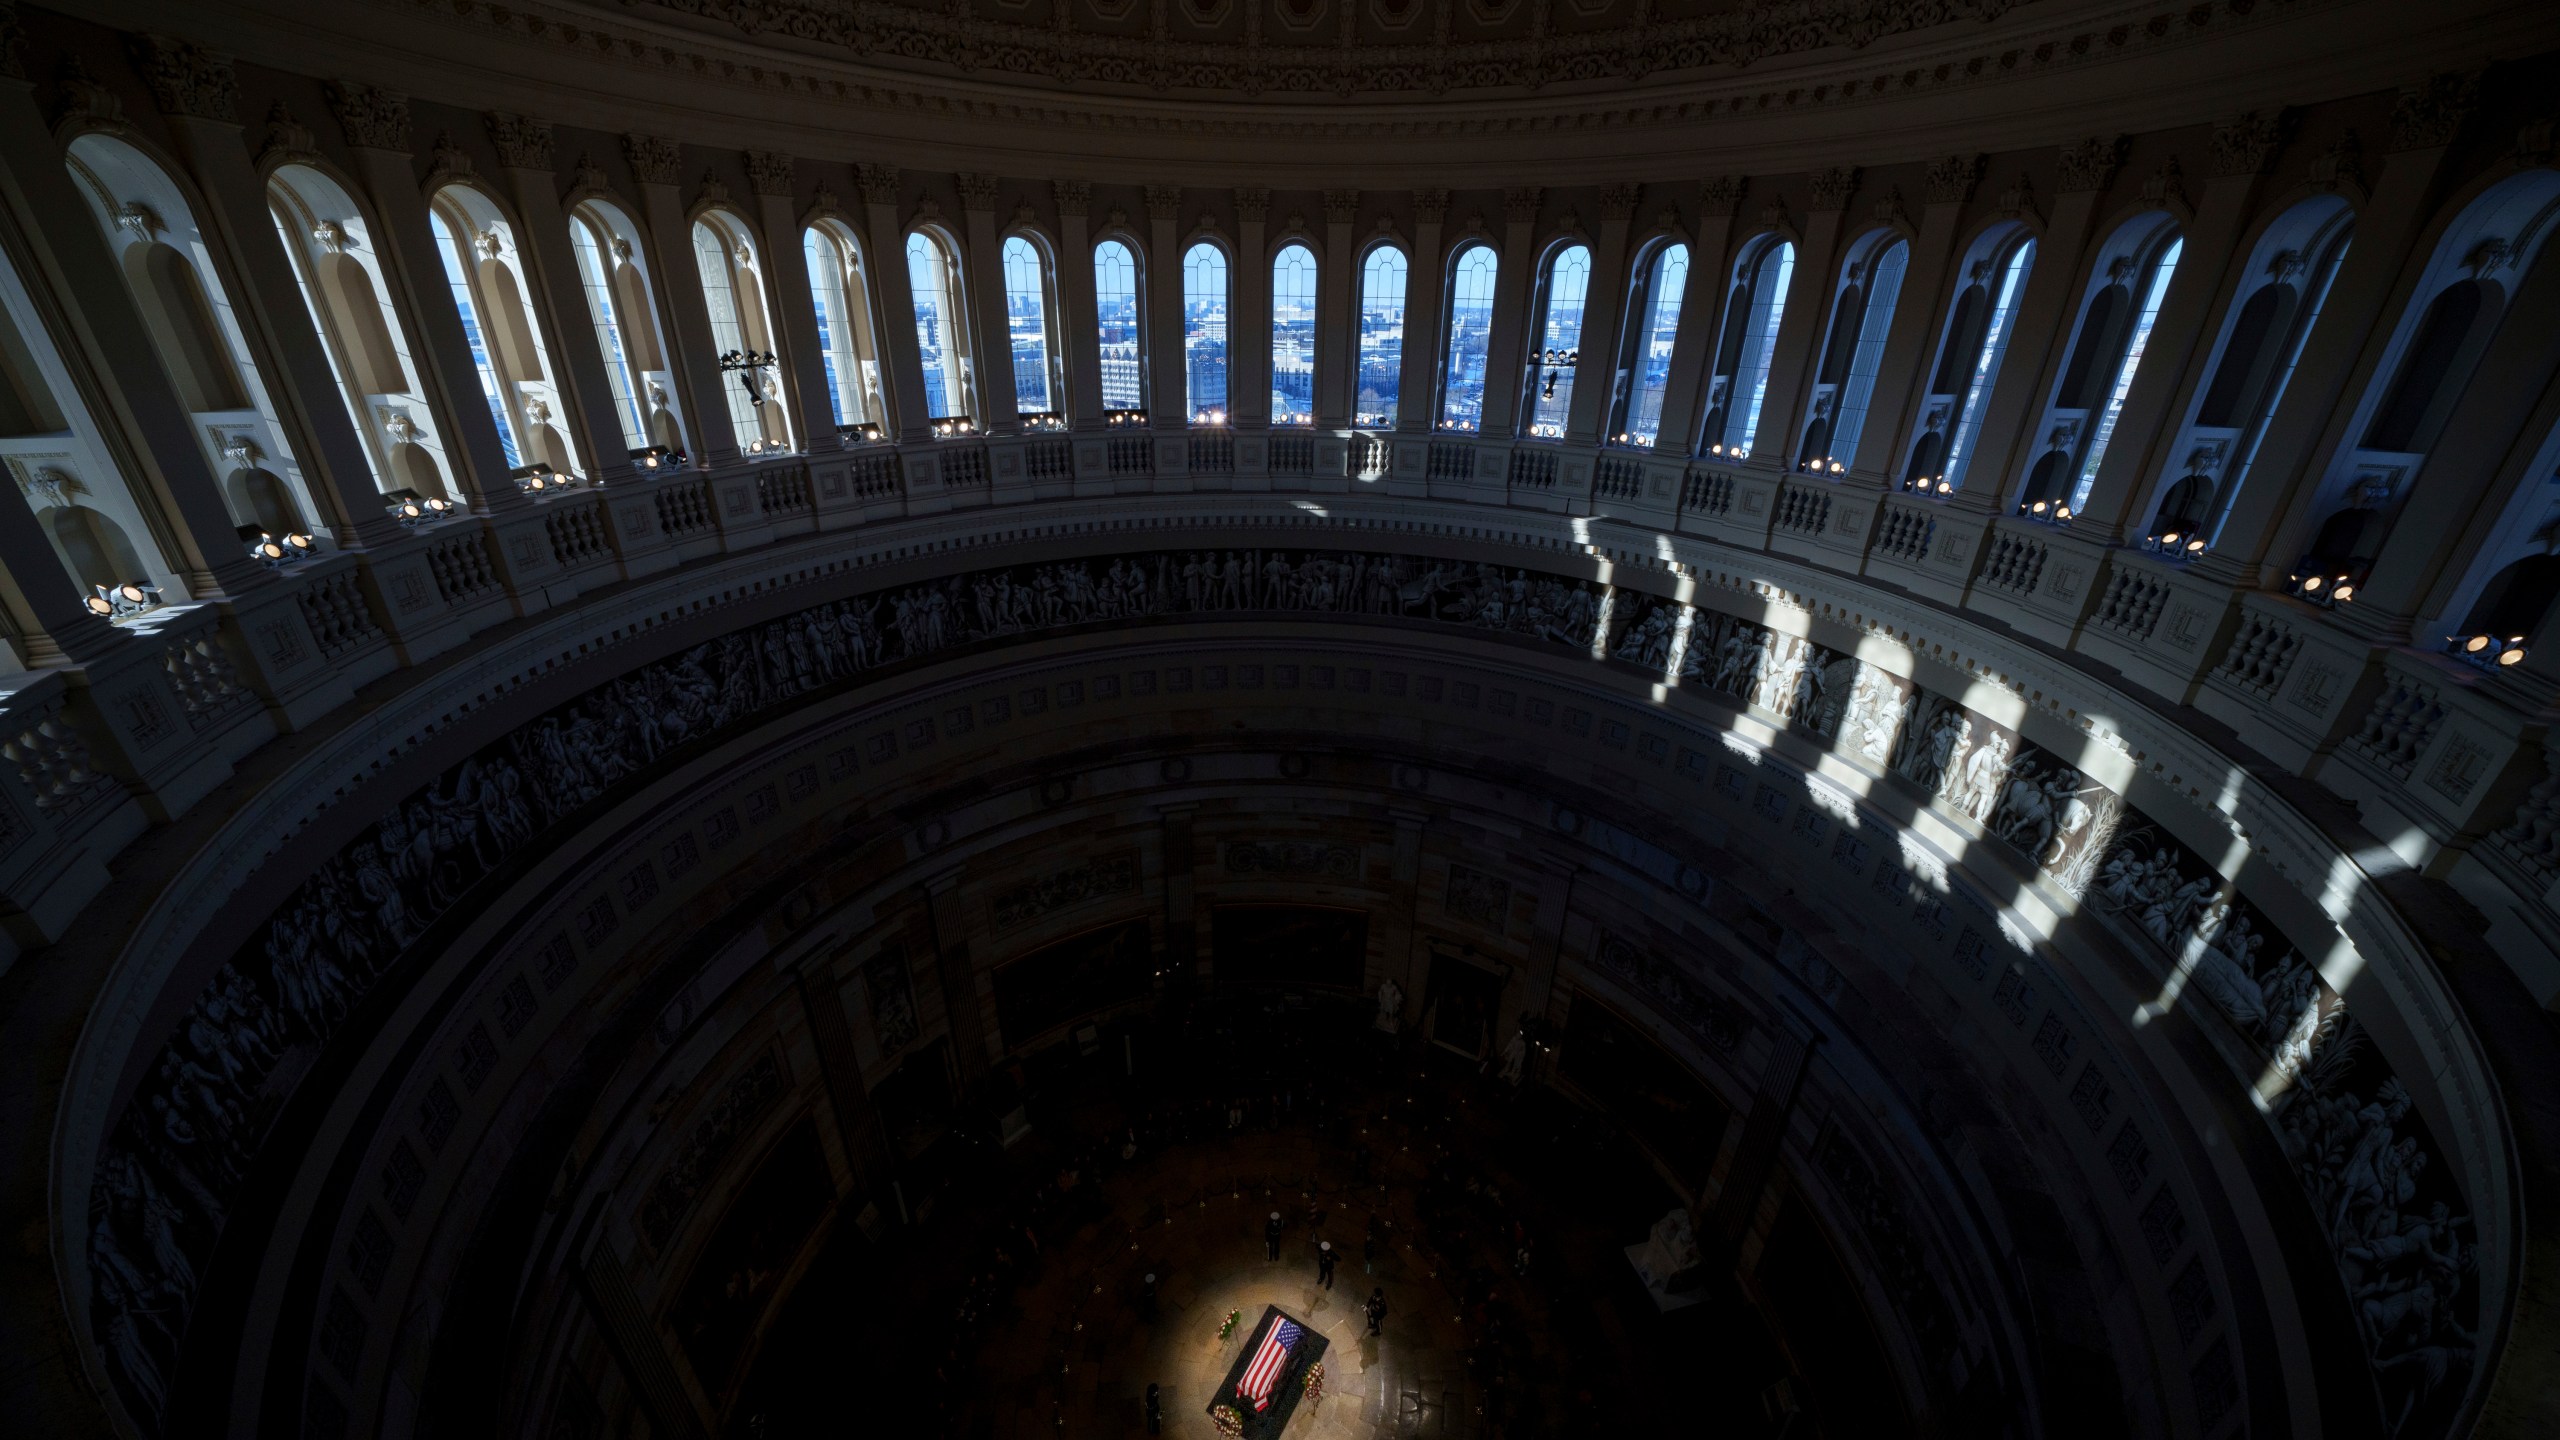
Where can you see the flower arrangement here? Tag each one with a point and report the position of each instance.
(1315, 1382)
(1233, 1316)
(1230, 1419)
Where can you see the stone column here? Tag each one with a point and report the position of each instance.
(1337, 326)
(866, 1148)
(1604, 305)
(1181, 920)
(1894, 409)
(377, 126)
(106, 343)
(559, 298)
(1746, 1171)
(1168, 383)
(1425, 341)
(1693, 350)
(648, 1361)
(801, 358)
(901, 354)
(1079, 319)
(1800, 327)
(971, 1045)
(2043, 311)
(1249, 328)
(1515, 288)
(196, 93)
(658, 165)
(2164, 377)
(999, 403)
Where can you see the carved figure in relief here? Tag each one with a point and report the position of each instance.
(1390, 1006)
(1978, 784)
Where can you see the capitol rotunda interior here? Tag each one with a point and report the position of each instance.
(1346, 719)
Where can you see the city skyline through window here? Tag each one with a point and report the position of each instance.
(1117, 327)
(1293, 336)
(1471, 278)
(1381, 358)
(1204, 330)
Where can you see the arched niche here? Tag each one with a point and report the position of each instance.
(263, 496)
(92, 546)
(182, 326)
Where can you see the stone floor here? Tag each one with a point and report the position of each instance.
(960, 1327)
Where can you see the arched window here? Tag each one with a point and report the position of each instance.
(1555, 352)
(2129, 279)
(733, 287)
(1853, 352)
(1752, 318)
(1644, 362)
(485, 269)
(1120, 327)
(1977, 335)
(846, 351)
(1470, 313)
(1381, 369)
(942, 330)
(1204, 332)
(1293, 336)
(152, 230)
(625, 312)
(1028, 304)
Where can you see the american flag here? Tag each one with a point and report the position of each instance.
(1268, 1362)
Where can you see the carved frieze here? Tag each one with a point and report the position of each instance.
(2090, 164)
(743, 1102)
(370, 117)
(1952, 179)
(1074, 197)
(879, 182)
(1430, 206)
(655, 160)
(1164, 203)
(1478, 898)
(523, 142)
(1721, 196)
(2247, 145)
(187, 79)
(1520, 204)
(977, 191)
(769, 171)
(1831, 187)
(1080, 884)
(1253, 202)
(1293, 857)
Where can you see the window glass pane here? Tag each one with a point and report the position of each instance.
(1470, 330)
(1204, 330)
(711, 253)
(1382, 286)
(1559, 349)
(2157, 291)
(1759, 347)
(1884, 287)
(1986, 365)
(1115, 295)
(451, 254)
(2266, 408)
(592, 277)
(835, 334)
(1651, 377)
(1026, 311)
(1293, 336)
(929, 276)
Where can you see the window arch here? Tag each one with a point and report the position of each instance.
(1644, 353)
(1030, 302)
(1204, 331)
(2128, 282)
(1862, 309)
(151, 228)
(1384, 276)
(1976, 336)
(1120, 326)
(1755, 309)
(485, 269)
(1470, 328)
(1555, 351)
(733, 288)
(848, 351)
(1293, 335)
(623, 307)
(942, 328)
(2456, 308)
(2283, 287)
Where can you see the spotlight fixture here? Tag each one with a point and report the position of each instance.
(746, 365)
(132, 597)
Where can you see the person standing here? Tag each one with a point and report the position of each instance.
(1324, 1263)
(1377, 1308)
(1271, 1237)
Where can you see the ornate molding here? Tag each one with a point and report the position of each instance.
(2430, 113)
(2167, 187)
(1253, 202)
(2247, 145)
(1431, 206)
(2533, 144)
(714, 191)
(1618, 202)
(977, 192)
(1889, 210)
(1952, 180)
(655, 160)
(370, 117)
(187, 79)
(588, 177)
(2341, 163)
(1831, 187)
(2090, 164)
(86, 101)
(1722, 196)
(523, 142)
(2019, 200)
(1341, 207)
(879, 182)
(1074, 197)
(769, 171)
(1520, 204)
(288, 140)
(452, 162)
(1164, 203)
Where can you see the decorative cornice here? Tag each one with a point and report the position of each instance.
(1164, 203)
(288, 140)
(1831, 187)
(187, 79)
(1520, 204)
(1341, 207)
(1074, 197)
(1722, 196)
(523, 142)
(879, 182)
(1952, 180)
(1253, 202)
(769, 171)
(2090, 164)
(655, 160)
(2247, 145)
(1430, 206)
(371, 118)
(2430, 113)
(977, 192)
